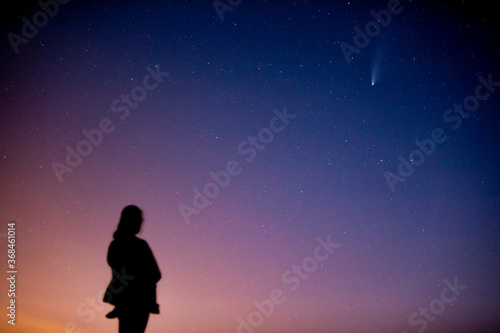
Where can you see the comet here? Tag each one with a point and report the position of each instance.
(374, 75)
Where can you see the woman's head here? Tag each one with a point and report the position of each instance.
(130, 221)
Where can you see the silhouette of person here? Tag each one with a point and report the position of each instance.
(132, 289)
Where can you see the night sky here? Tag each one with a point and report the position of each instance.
(300, 169)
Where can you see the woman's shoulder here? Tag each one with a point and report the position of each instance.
(138, 242)
(128, 241)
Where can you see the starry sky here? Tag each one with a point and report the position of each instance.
(250, 133)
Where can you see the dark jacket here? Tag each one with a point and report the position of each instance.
(135, 274)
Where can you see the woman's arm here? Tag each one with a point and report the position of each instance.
(152, 265)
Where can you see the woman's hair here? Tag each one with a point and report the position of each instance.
(130, 221)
